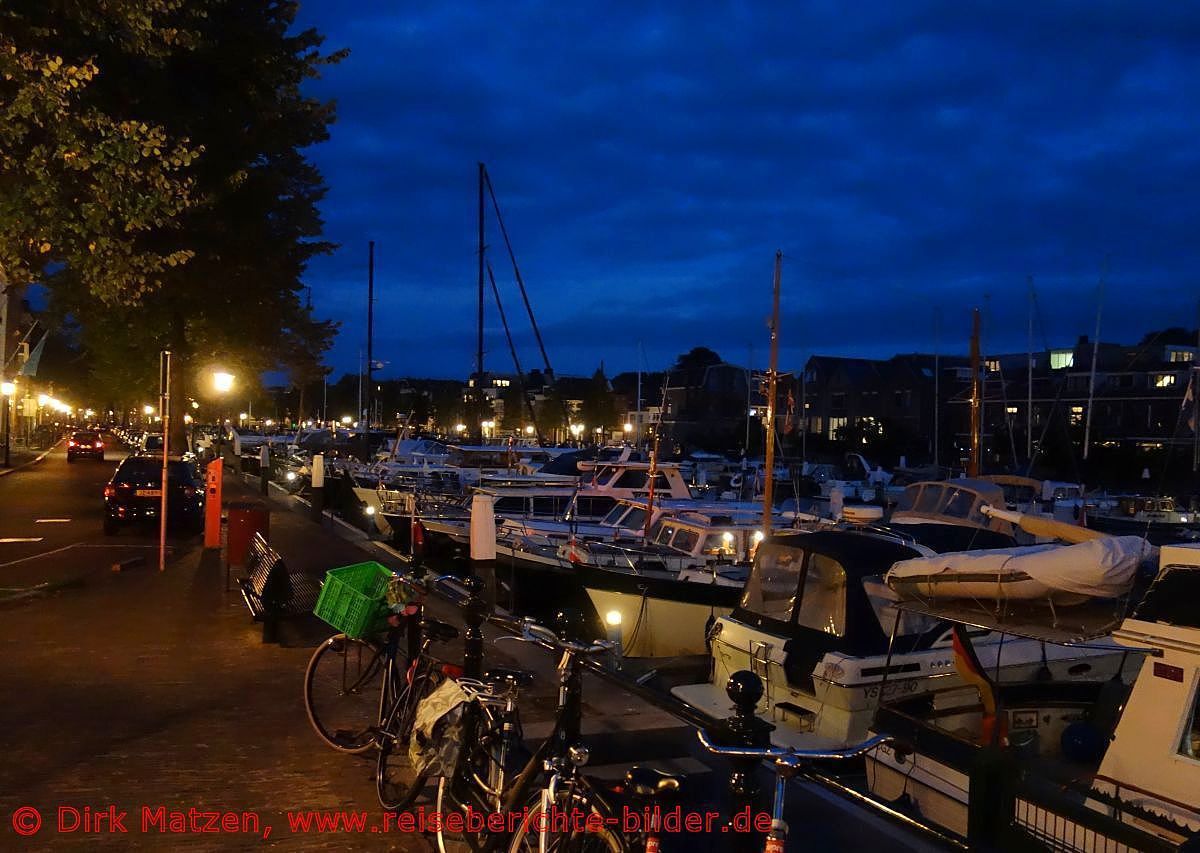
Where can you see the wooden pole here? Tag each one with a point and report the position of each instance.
(976, 401)
(772, 382)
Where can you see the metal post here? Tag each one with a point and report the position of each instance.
(976, 399)
(1087, 424)
(772, 380)
(264, 469)
(1029, 382)
(474, 613)
(745, 729)
(7, 400)
(164, 407)
(370, 331)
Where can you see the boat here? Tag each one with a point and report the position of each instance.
(1103, 567)
(1158, 519)
(1108, 763)
(817, 623)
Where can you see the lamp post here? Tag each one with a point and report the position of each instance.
(7, 390)
(222, 385)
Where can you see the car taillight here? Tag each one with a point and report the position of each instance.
(100, 444)
(110, 491)
(71, 443)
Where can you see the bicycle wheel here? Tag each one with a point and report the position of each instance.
(396, 783)
(341, 692)
(561, 837)
(485, 766)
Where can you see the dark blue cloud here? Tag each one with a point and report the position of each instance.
(908, 158)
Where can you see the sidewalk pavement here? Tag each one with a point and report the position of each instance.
(145, 689)
(22, 458)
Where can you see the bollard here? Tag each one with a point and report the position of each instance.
(745, 729)
(264, 468)
(474, 613)
(317, 494)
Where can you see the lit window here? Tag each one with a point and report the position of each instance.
(836, 424)
(1012, 410)
(1164, 380)
(992, 365)
(1077, 414)
(1061, 358)
(1181, 355)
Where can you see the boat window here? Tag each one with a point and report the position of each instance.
(614, 514)
(930, 500)
(604, 475)
(685, 540)
(958, 504)
(823, 596)
(510, 503)
(1190, 744)
(771, 588)
(908, 500)
(547, 506)
(632, 479)
(636, 520)
(716, 543)
(661, 485)
(663, 534)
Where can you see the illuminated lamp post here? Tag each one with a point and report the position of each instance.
(7, 390)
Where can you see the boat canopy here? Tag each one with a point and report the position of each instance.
(952, 502)
(806, 585)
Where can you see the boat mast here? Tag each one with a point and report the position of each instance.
(937, 391)
(1029, 380)
(637, 442)
(1194, 381)
(772, 381)
(1087, 427)
(479, 351)
(370, 330)
(976, 402)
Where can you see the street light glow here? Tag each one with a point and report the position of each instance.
(147, 409)
(222, 381)
(8, 388)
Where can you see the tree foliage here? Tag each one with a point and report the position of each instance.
(197, 213)
(84, 181)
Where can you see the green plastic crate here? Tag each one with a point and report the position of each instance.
(353, 598)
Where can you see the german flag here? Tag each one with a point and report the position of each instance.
(971, 671)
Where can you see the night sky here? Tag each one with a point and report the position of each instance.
(910, 159)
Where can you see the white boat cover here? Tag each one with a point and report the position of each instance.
(1100, 568)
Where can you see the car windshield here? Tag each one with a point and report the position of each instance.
(86, 436)
(154, 442)
(139, 469)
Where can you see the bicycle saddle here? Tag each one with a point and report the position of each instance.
(437, 631)
(498, 674)
(648, 782)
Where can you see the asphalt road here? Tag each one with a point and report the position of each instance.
(51, 523)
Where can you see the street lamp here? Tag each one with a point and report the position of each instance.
(7, 390)
(222, 382)
(346, 419)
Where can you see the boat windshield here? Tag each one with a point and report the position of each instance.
(789, 585)
(614, 515)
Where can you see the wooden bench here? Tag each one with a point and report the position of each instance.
(271, 591)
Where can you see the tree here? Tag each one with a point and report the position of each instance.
(252, 225)
(689, 368)
(85, 181)
(599, 407)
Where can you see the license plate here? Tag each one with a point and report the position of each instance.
(149, 493)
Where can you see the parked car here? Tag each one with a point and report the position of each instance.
(151, 443)
(85, 444)
(134, 494)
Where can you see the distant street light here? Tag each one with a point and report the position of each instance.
(346, 419)
(7, 390)
(529, 430)
(147, 409)
(628, 427)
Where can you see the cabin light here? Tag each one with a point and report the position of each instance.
(290, 476)
(612, 618)
(369, 510)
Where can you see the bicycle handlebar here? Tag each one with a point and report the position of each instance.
(792, 756)
(532, 631)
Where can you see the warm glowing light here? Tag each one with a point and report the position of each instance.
(460, 427)
(222, 382)
(195, 405)
(242, 416)
(758, 536)
(269, 422)
(42, 399)
(290, 476)
(187, 419)
(529, 430)
(369, 510)
(347, 420)
(612, 618)
(8, 388)
(308, 423)
(628, 427)
(727, 537)
(147, 409)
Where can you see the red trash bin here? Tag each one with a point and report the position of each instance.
(245, 519)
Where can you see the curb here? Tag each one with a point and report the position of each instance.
(33, 461)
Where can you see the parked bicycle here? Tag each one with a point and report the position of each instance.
(353, 686)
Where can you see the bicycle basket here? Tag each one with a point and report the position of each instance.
(353, 598)
(437, 737)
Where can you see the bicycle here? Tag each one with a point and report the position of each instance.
(787, 764)
(567, 813)
(353, 686)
